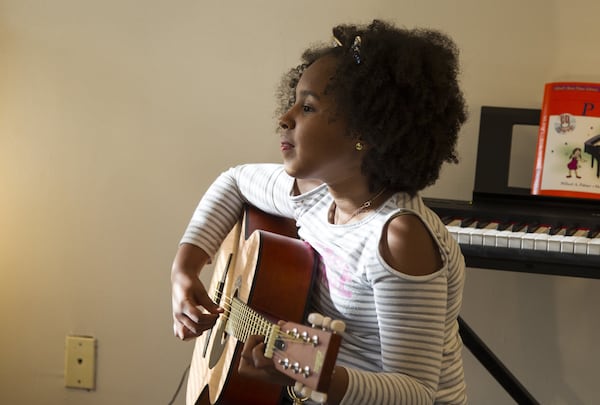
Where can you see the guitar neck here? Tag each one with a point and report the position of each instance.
(244, 322)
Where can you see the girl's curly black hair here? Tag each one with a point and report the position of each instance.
(399, 92)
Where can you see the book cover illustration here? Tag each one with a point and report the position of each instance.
(568, 150)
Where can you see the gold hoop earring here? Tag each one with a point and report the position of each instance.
(358, 146)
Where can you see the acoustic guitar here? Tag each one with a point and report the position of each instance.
(262, 274)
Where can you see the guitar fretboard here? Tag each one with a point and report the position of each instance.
(243, 322)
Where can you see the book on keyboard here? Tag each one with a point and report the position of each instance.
(567, 161)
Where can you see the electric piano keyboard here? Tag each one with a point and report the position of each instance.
(528, 238)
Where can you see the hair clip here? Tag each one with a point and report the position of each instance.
(336, 42)
(356, 49)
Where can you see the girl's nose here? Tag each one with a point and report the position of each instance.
(286, 122)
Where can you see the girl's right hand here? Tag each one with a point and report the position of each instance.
(193, 310)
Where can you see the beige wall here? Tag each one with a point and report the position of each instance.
(115, 115)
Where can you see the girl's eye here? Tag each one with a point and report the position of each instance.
(307, 108)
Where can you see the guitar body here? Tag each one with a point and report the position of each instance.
(262, 263)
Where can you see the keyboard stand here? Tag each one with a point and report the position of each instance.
(494, 366)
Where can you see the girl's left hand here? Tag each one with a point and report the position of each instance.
(254, 364)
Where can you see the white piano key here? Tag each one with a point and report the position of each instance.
(515, 239)
(576, 243)
(503, 237)
(527, 240)
(593, 246)
(477, 237)
(540, 242)
(464, 235)
(453, 227)
(554, 241)
(478, 234)
(536, 240)
(580, 245)
(490, 233)
(567, 244)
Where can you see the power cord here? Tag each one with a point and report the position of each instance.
(180, 385)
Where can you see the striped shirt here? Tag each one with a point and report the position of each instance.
(401, 344)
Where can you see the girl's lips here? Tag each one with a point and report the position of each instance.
(286, 146)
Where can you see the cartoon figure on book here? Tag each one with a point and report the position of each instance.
(566, 124)
(366, 123)
(573, 164)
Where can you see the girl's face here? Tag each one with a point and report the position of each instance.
(315, 142)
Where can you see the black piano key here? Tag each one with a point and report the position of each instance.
(447, 219)
(505, 226)
(519, 227)
(571, 231)
(467, 222)
(554, 230)
(482, 224)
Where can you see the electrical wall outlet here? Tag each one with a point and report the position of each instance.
(80, 362)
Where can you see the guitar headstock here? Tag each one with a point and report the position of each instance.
(308, 354)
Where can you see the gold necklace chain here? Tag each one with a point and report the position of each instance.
(364, 206)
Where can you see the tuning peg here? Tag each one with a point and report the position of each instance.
(325, 322)
(319, 320)
(315, 319)
(306, 371)
(338, 326)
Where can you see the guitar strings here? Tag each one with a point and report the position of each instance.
(247, 322)
(243, 321)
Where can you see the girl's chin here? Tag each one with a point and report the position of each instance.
(289, 169)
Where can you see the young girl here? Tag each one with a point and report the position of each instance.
(366, 123)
